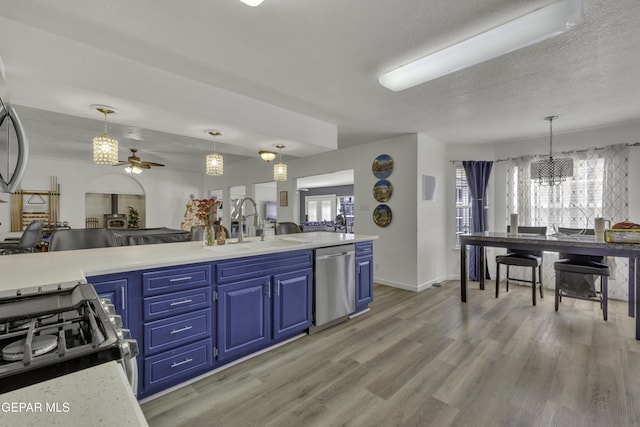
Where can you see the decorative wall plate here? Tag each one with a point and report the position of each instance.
(382, 215)
(382, 166)
(382, 190)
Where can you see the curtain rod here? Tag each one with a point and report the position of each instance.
(631, 144)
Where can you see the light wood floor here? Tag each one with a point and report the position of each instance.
(425, 359)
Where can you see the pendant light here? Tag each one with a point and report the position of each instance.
(551, 171)
(105, 148)
(280, 169)
(215, 162)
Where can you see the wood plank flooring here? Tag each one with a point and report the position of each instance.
(426, 359)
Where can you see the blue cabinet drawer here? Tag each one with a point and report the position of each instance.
(174, 367)
(248, 268)
(162, 306)
(175, 279)
(178, 330)
(364, 249)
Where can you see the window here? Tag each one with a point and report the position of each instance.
(463, 204)
(320, 208)
(597, 188)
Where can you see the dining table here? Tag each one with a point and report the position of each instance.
(580, 245)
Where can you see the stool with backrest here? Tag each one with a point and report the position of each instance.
(523, 258)
(287, 228)
(28, 241)
(576, 274)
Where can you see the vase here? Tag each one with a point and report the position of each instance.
(209, 236)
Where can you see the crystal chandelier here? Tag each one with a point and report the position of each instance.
(105, 148)
(280, 169)
(551, 171)
(215, 162)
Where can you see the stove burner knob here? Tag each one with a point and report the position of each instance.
(116, 320)
(109, 308)
(123, 334)
(129, 348)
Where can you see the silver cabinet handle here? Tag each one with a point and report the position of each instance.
(176, 331)
(187, 360)
(186, 301)
(278, 288)
(124, 303)
(180, 279)
(268, 290)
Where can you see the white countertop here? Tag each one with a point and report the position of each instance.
(98, 396)
(28, 270)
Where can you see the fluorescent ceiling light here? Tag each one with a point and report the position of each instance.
(529, 29)
(252, 2)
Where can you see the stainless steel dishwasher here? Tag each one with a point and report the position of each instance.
(335, 289)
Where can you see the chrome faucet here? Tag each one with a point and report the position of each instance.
(238, 215)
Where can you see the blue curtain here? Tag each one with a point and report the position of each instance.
(478, 178)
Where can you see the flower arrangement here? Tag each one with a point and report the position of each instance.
(207, 210)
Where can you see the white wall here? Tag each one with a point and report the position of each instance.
(414, 251)
(396, 252)
(166, 191)
(431, 254)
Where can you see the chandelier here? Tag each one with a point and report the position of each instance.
(105, 148)
(215, 161)
(551, 171)
(280, 169)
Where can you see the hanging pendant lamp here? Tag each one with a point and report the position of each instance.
(551, 171)
(215, 161)
(280, 169)
(105, 148)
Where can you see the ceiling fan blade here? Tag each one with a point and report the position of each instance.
(143, 165)
(153, 164)
(122, 162)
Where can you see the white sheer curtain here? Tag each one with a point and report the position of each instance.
(598, 188)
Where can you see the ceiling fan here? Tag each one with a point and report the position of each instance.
(135, 165)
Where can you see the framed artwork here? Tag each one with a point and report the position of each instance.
(284, 198)
(382, 166)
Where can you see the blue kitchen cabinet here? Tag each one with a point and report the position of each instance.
(262, 300)
(364, 275)
(292, 302)
(244, 316)
(178, 325)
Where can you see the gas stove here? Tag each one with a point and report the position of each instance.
(49, 331)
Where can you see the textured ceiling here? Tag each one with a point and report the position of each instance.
(303, 73)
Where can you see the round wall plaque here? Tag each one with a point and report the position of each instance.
(382, 166)
(382, 215)
(382, 190)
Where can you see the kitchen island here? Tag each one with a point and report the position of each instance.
(193, 309)
(27, 270)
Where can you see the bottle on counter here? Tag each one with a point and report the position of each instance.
(221, 237)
